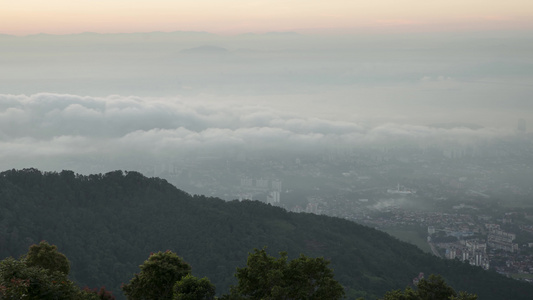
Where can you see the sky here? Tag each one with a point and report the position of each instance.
(239, 16)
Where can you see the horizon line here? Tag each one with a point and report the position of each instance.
(360, 30)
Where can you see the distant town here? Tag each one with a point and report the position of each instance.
(473, 204)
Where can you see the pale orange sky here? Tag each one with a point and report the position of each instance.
(23, 17)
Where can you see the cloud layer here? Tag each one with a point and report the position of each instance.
(51, 130)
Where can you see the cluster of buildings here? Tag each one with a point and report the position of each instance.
(499, 239)
(472, 251)
(250, 189)
(475, 251)
(465, 232)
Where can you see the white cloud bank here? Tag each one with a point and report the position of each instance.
(57, 131)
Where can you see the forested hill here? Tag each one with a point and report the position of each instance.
(107, 225)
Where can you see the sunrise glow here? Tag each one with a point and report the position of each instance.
(239, 16)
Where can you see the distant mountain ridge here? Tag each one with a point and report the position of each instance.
(107, 224)
(207, 49)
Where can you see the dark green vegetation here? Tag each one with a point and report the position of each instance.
(165, 276)
(267, 277)
(42, 274)
(157, 278)
(107, 224)
(433, 288)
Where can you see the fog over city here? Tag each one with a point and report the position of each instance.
(42, 129)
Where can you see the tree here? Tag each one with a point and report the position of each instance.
(434, 288)
(39, 275)
(20, 281)
(192, 288)
(408, 294)
(464, 296)
(157, 278)
(267, 277)
(47, 257)
(95, 294)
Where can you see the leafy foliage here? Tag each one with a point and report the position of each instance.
(264, 278)
(267, 277)
(36, 279)
(433, 288)
(47, 257)
(98, 294)
(193, 288)
(157, 278)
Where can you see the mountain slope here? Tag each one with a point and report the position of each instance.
(108, 224)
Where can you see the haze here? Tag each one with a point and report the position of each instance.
(312, 76)
(175, 91)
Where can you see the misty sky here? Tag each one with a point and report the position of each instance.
(239, 16)
(311, 75)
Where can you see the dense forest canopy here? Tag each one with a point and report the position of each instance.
(107, 223)
(43, 274)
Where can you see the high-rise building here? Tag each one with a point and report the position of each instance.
(276, 185)
(431, 229)
(273, 197)
(451, 253)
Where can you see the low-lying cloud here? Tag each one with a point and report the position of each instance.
(57, 131)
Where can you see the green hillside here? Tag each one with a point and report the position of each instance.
(108, 224)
